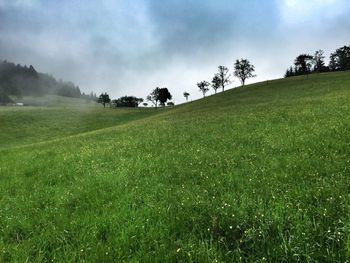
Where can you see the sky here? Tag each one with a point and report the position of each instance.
(129, 47)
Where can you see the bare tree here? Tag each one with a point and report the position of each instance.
(223, 76)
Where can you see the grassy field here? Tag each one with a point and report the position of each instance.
(28, 125)
(255, 174)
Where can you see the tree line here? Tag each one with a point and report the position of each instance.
(305, 64)
(159, 97)
(18, 81)
(242, 69)
(125, 101)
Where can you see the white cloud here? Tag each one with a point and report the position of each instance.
(295, 12)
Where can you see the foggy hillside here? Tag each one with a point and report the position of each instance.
(18, 81)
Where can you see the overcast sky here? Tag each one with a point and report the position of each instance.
(129, 47)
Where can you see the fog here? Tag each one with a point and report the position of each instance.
(131, 47)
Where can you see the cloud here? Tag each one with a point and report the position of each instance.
(193, 27)
(130, 47)
(312, 12)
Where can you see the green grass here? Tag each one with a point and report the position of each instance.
(28, 125)
(255, 174)
(53, 101)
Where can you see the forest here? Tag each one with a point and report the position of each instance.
(18, 81)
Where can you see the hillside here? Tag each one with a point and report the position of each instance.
(255, 174)
(19, 81)
(57, 117)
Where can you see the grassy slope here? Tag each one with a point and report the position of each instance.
(26, 125)
(252, 174)
(53, 101)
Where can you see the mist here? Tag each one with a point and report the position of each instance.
(129, 48)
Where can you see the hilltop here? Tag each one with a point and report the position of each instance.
(253, 174)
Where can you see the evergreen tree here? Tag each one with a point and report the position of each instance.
(318, 61)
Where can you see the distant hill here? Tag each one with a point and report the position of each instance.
(18, 81)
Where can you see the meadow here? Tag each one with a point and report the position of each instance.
(57, 117)
(255, 174)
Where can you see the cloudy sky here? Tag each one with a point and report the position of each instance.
(129, 47)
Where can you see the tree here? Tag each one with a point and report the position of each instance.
(243, 70)
(127, 101)
(203, 87)
(289, 72)
(4, 98)
(160, 95)
(18, 81)
(154, 96)
(103, 99)
(318, 61)
(186, 95)
(216, 83)
(303, 64)
(333, 62)
(164, 95)
(138, 101)
(223, 76)
(340, 59)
